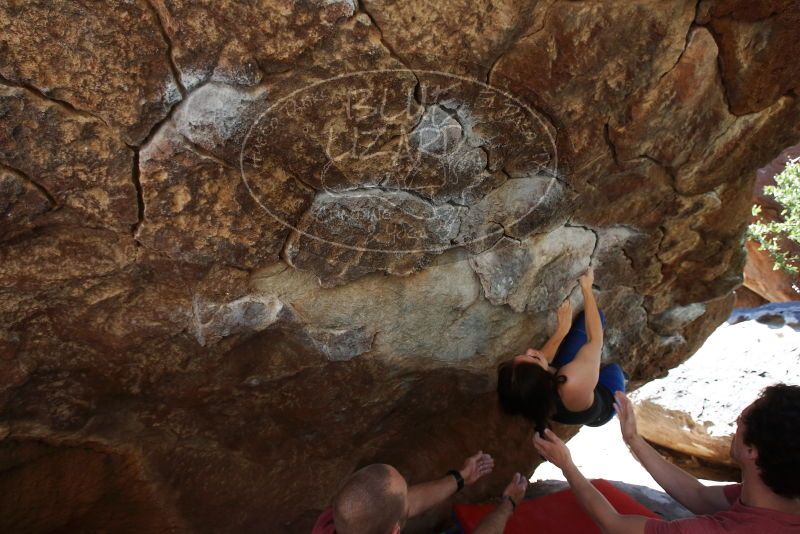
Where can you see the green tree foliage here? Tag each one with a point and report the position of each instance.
(773, 235)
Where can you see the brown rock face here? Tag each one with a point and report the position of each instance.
(209, 40)
(109, 62)
(74, 160)
(248, 247)
(198, 210)
(68, 487)
(755, 69)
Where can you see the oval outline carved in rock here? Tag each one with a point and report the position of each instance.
(542, 125)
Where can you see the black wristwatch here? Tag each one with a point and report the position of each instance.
(458, 477)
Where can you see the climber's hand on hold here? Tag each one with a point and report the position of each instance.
(587, 279)
(476, 466)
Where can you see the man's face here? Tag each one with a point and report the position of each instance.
(739, 451)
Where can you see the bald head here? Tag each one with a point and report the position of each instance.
(371, 501)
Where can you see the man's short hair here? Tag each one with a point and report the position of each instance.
(772, 426)
(367, 503)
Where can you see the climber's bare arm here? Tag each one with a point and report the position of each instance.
(583, 372)
(564, 321)
(594, 326)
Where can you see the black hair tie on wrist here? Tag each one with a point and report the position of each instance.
(511, 500)
(458, 477)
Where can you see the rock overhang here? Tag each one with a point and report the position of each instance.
(150, 299)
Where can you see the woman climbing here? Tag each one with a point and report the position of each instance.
(564, 381)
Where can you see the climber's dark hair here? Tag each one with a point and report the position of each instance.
(528, 390)
(772, 426)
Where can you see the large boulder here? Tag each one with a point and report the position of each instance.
(760, 275)
(691, 411)
(250, 246)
